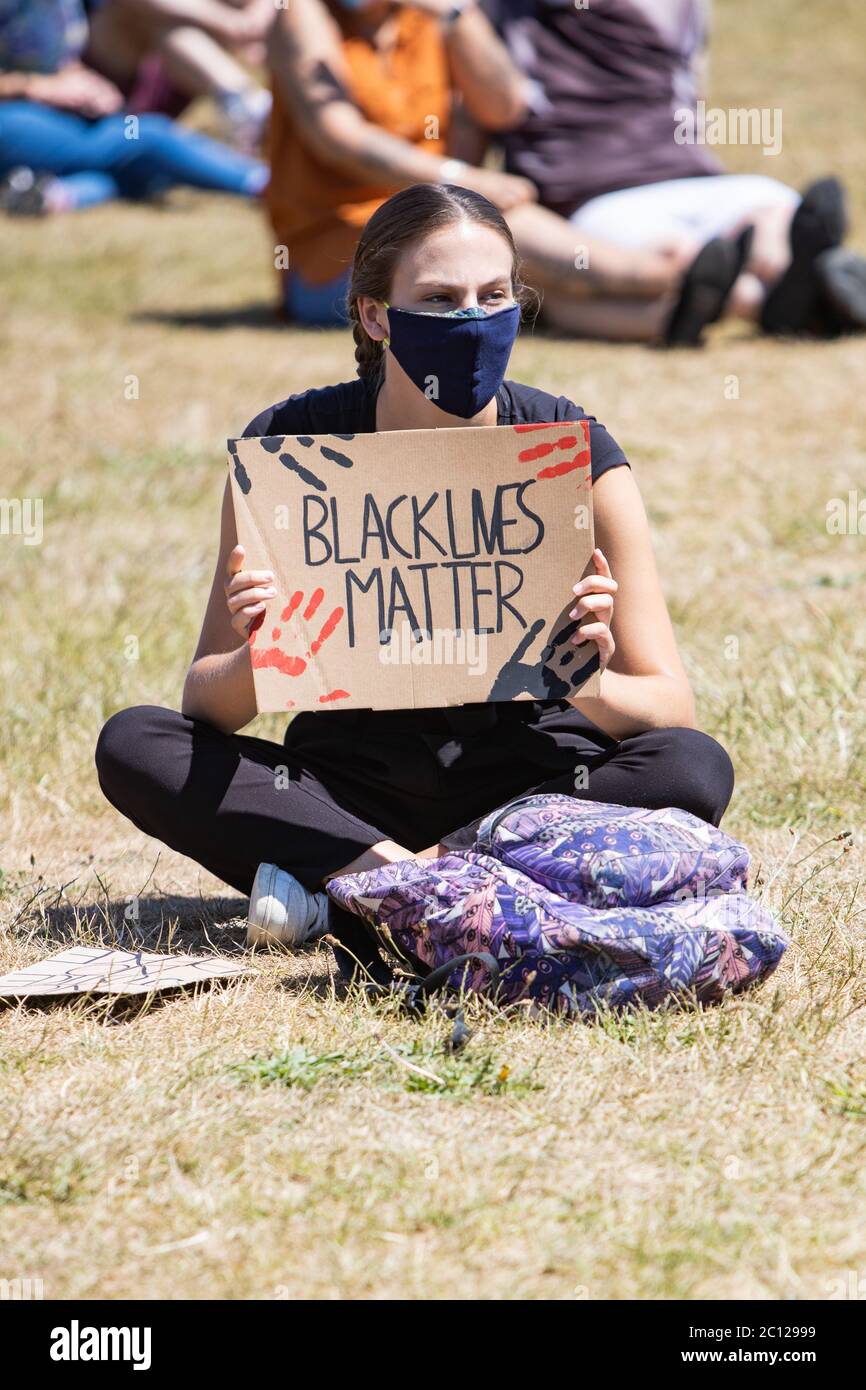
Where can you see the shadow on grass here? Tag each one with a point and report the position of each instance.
(167, 924)
(112, 1009)
(263, 315)
(158, 922)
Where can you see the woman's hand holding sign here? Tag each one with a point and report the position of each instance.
(595, 595)
(247, 593)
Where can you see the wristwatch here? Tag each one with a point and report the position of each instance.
(450, 18)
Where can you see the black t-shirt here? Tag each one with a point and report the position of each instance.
(350, 408)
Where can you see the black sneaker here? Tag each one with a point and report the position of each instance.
(795, 303)
(705, 289)
(24, 193)
(841, 276)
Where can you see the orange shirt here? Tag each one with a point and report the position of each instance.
(316, 210)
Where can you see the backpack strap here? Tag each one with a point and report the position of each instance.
(356, 947)
(438, 978)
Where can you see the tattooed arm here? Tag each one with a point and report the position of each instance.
(306, 59)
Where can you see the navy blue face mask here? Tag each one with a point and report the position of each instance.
(457, 359)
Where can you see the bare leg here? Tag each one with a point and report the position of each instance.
(561, 259)
(769, 259)
(121, 35)
(616, 320)
(746, 298)
(634, 319)
(198, 65)
(771, 249)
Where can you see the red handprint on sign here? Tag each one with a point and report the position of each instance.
(283, 661)
(579, 440)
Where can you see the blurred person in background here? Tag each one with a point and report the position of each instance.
(609, 141)
(369, 98)
(66, 141)
(163, 53)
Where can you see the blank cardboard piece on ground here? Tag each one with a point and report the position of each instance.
(98, 970)
(418, 568)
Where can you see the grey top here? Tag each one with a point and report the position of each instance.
(607, 80)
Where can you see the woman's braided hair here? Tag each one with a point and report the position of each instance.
(406, 217)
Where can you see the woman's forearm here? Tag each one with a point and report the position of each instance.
(631, 704)
(493, 88)
(334, 129)
(373, 153)
(364, 151)
(16, 86)
(219, 689)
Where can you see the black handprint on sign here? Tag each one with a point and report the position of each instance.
(550, 677)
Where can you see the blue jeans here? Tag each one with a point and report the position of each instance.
(321, 305)
(120, 156)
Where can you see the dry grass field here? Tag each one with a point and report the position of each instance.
(269, 1140)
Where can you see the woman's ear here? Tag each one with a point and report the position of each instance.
(373, 316)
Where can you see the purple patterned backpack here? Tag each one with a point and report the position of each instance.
(572, 905)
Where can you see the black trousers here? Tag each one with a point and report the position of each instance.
(344, 780)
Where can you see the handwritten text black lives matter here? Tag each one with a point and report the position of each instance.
(447, 550)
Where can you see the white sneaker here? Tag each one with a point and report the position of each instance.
(282, 911)
(244, 117)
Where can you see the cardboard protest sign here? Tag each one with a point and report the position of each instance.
(97, 970)
(417, 567)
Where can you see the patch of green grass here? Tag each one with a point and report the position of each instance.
(298, 1066)
(413, 1066)
(462, 1074)
(847, 1097)
(12, 1190)
(61, 1182)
